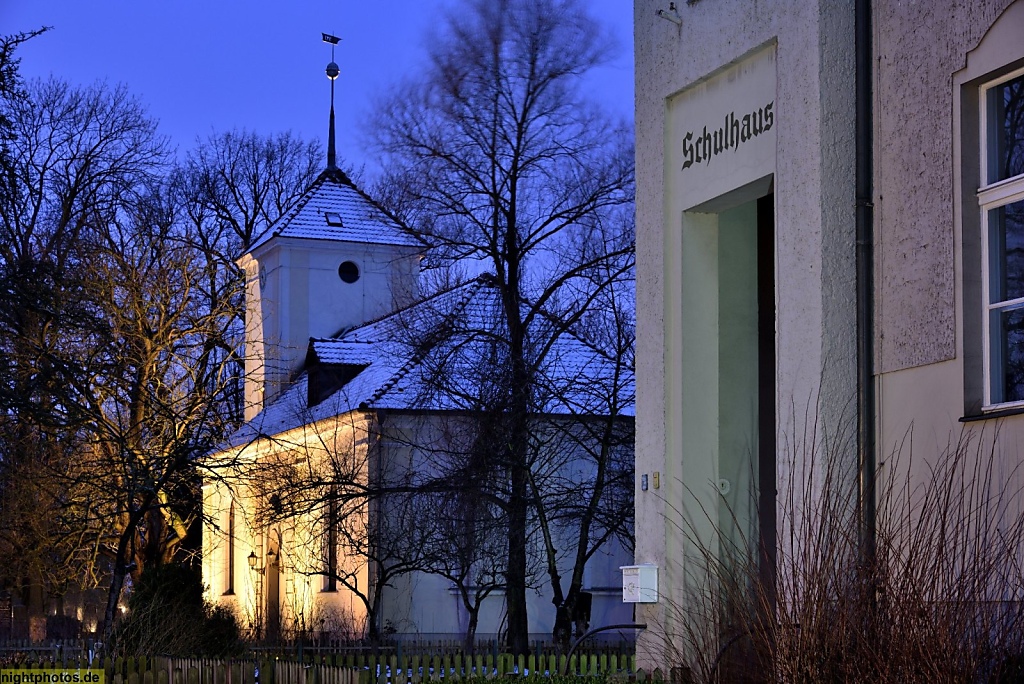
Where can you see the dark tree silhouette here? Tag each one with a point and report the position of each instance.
(493, 154)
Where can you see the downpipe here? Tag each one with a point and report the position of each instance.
(866, 401)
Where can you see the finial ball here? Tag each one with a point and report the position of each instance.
(333, 71)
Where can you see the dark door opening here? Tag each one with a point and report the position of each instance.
(766, 395)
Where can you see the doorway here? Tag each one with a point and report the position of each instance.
(729, 380)
(273, 570)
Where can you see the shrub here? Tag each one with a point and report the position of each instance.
(167, 615)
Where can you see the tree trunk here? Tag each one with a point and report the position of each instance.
(562, 633)
(515, 575)
(116, 585)
(474, 619)
(519, 467)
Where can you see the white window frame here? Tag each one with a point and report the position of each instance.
(993, 195)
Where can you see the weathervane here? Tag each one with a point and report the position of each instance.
(332, 73)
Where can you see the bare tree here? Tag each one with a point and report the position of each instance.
(493, 154)
(11, 86)
(240, 182)
(469, 532)
(162, 404)
(124, 310)
(451, 473)
(582, 483)
(75, 160)
(471, 539)
(230, 189)
(176, 304)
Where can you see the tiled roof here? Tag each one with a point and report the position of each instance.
(438, 355)
(336, 351)
(362, 220)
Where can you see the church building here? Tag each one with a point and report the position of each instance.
(351, 502)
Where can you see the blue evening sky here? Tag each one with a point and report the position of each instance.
(214, 65)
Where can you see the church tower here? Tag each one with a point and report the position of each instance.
(334, 261)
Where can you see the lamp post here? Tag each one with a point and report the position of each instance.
(259, 575)
(257, 582)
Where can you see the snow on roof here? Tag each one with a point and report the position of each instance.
(333, 208)
(439, 355)
(341, 352)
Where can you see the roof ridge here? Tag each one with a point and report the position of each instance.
(292, 212)
(380, 207)
(339, 187)
(336, 339)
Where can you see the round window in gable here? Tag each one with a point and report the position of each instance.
(348, 272)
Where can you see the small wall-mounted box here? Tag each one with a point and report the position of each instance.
(639, 583)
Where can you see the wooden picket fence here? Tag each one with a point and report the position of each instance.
(422, 647)
(343, 669)
(415, 669)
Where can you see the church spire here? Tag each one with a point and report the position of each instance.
(332, 73)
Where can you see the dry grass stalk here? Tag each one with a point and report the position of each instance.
(940, 601)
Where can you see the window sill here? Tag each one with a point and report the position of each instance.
(998, 413)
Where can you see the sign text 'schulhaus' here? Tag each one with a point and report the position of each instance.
(730, 136)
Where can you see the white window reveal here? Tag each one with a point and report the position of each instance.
(1002, 207)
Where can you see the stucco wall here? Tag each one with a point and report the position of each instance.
(927, 218)
(248, 476)
(929, 260)
(915, 239)
(814, 255)
(920, 251)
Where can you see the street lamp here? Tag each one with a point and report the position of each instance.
(254, 566)
(253, 560)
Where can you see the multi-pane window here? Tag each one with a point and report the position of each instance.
(1002, 205)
